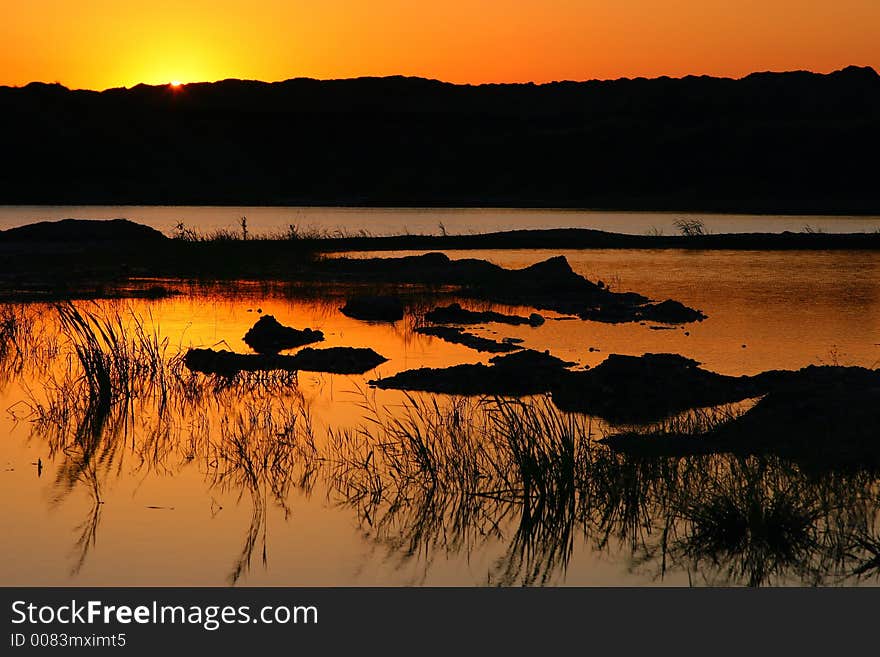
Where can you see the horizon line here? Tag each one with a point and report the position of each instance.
(171, 83)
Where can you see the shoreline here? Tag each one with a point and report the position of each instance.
(589, 239)
(69, 258)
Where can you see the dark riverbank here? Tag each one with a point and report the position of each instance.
(78, 258)
(583, 238)
(71, 235)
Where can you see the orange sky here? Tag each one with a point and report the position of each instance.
(105, 43)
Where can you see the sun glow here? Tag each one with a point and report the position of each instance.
(97, 44)
(176, 83)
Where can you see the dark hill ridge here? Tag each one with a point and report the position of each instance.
(82, 231)
(798, 142)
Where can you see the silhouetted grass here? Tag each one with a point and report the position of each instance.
(868, 545)
(293, 232)
(691, 227)
(455, 475)
(444, 475)
(119, 399)
(264, 448)
(12, 331)
(759, 524)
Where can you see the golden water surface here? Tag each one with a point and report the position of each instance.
(273, 481)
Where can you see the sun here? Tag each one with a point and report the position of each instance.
(176, 83)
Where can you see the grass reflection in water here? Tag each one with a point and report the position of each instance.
(434, 475)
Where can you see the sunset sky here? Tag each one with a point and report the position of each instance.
(107, 43)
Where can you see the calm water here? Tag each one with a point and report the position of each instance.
(388, 221)
(279, 482)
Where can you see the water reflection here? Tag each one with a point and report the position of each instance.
(263, 449)
(539, 481)
(423, 477)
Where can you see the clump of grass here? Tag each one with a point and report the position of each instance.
(451, 473)
(867, 544)
(691, 227)
(118, 361)
(293, 232)
(418, 444)
(10, 327)
(501, 447)
(25, 340)
(758, 524)
(184, 233)
(115, 359)
(545, 447)
(111, 360)
(12, 331)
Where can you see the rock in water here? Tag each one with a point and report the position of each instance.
(670, 312)
(335, 360)
(268, 336)
(525, 372)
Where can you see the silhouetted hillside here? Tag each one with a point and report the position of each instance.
(768, 142)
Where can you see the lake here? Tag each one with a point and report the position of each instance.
(319, 479)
